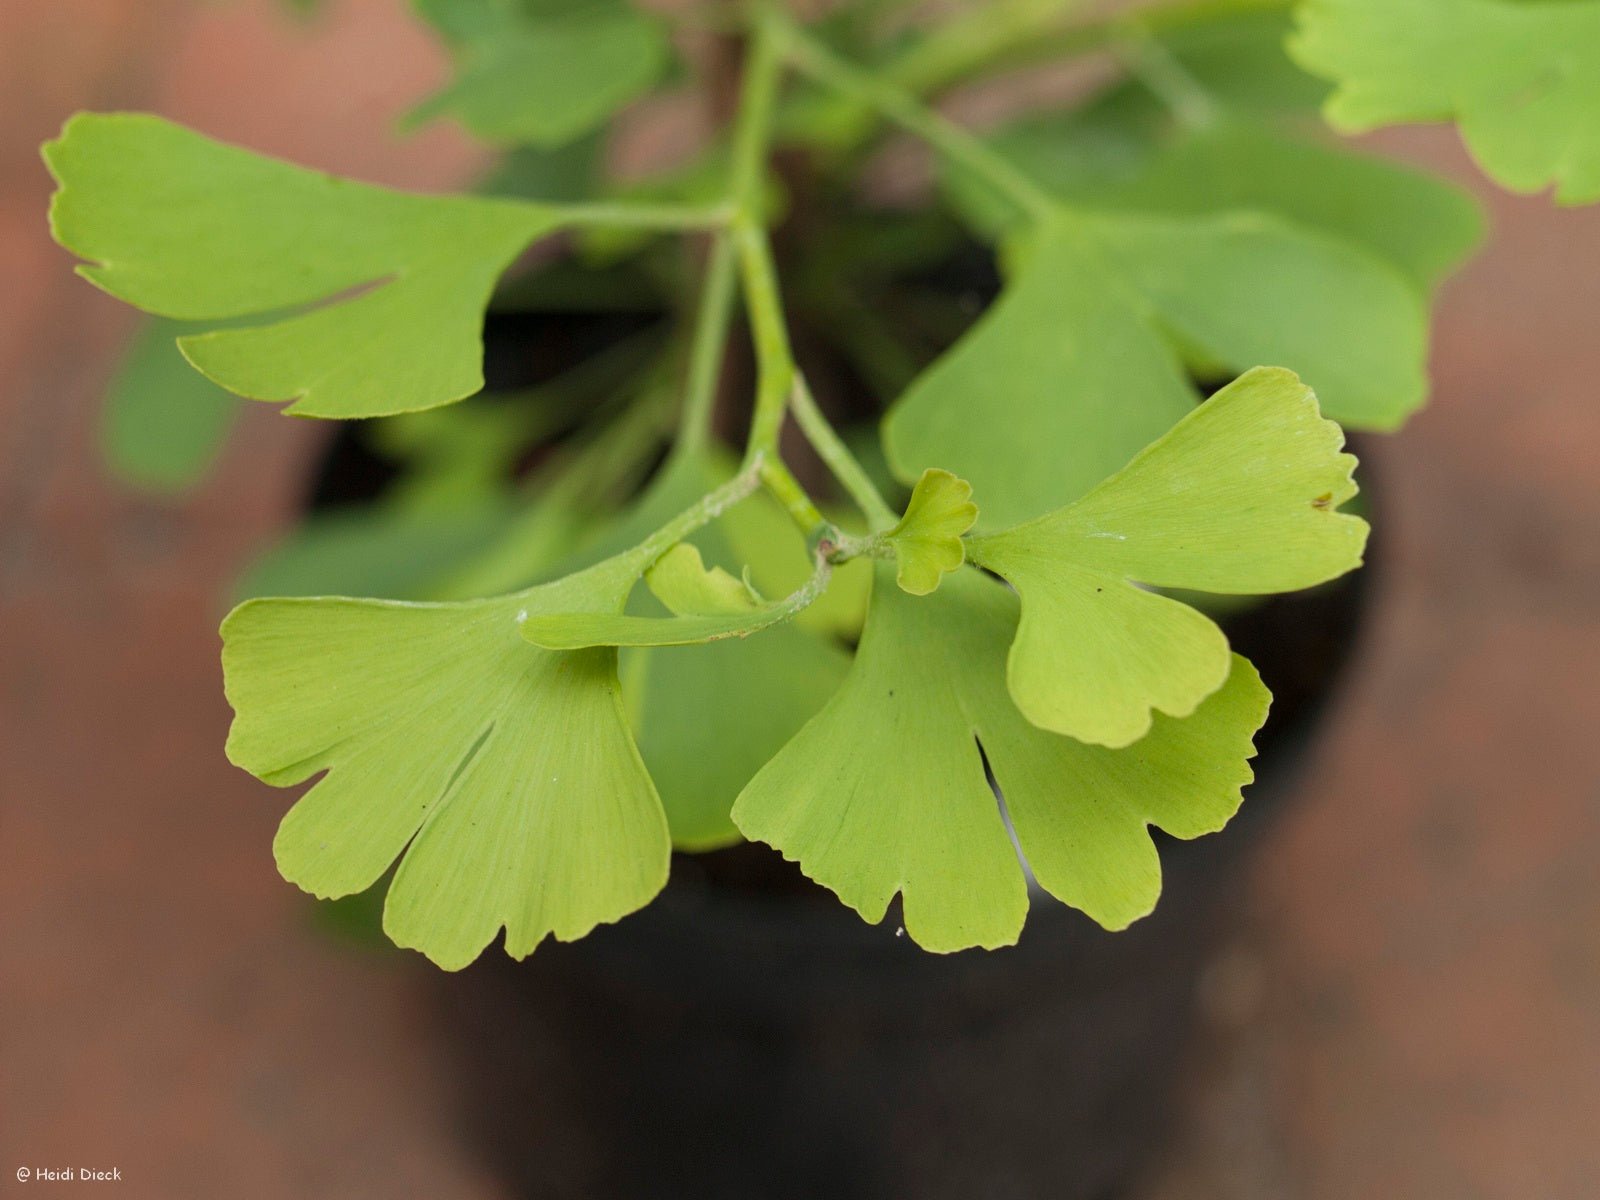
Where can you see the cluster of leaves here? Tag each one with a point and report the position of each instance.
(697, 653)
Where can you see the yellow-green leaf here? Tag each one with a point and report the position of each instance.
(370, 300)
(1241, 496)
(885, 791)
(502, 775)
(1522, 80)
(927, 539)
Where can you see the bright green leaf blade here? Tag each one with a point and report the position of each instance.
(1240, 497)
(545, 80)
(884, 791)
(184, 226)
(1080, 812)
(1095, 655)
(1058, 385)
(508, 770)
(1244, 289)
(163, 424)
(927, 539)
(921, 819)
(1521, 80)
(681, 580)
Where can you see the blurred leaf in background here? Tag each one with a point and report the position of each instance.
(542, 72)
(163, 422)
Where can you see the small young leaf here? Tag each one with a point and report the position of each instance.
(1241, 496)
(885, 791)
(183, 226)
(927, 540)
(544, 78)
(504, 774)
(1522, 80)
(681, 580)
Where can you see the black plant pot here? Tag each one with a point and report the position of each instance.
(747, 1036)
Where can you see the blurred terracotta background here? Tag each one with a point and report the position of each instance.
(1412, 1011)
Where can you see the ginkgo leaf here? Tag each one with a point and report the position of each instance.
(1058, 384)
(1077, 364)
(885, 790)
(1423, 226)
(543, 74)
(1522, 80)
(681, 580)
(927, 539)
(1241, 496)
(183, 226)
(1247, 288)
(504, 774)
(163, 424)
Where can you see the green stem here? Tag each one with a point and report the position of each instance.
(752, 137)
(631, 563)
(1026, 38)
(903, 108)
(963, 46)
(788, 491)
(1150, 62)
(667, 218)
(710, 342)
(774, 358)
(844, 465)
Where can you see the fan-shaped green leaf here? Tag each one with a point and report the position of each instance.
(504, 774)
(1243, 288)
(543, 75)
(885, 790)
(1059, 384)
(1241, 496)
(1076, 366)
(183, 226)
(1425, 227)
(1521, 80)
(927, 539)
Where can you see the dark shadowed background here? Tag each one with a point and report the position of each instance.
(1411, 1007)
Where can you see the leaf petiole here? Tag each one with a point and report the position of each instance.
(665, 218)
(821, 64)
